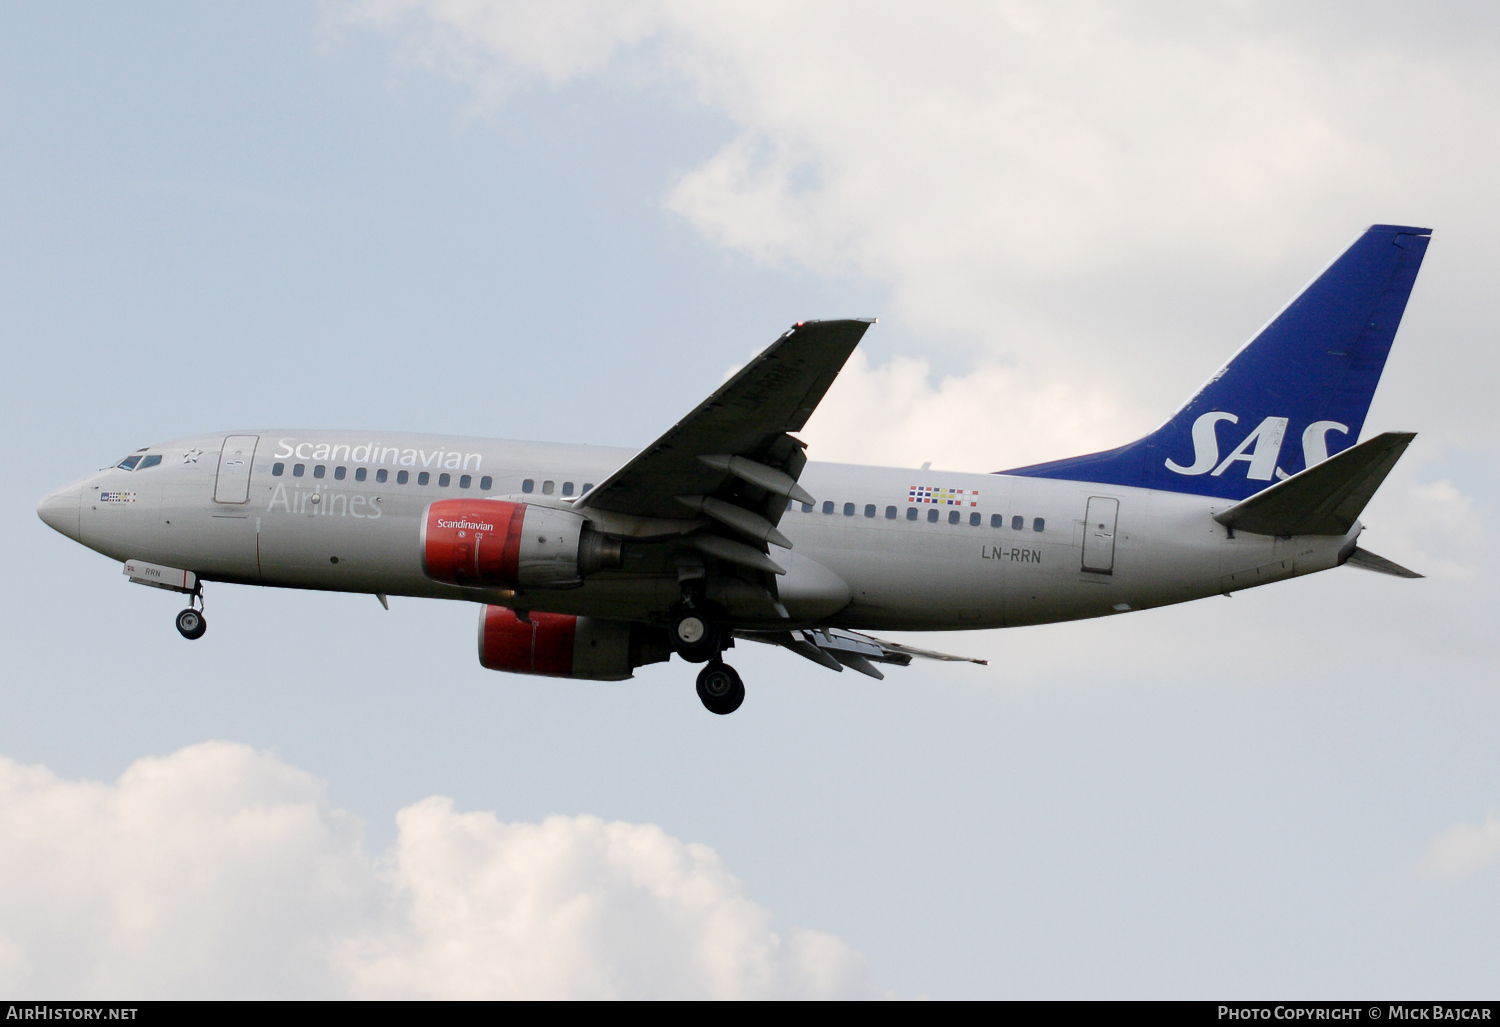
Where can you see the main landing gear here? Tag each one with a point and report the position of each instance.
(720, 688)
(190, 622)
(695, 637)
(698, 638)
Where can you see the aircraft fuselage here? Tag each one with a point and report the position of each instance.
(882, 548)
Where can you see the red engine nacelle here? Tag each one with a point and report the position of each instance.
(489, 543)
(473, 542)
(564, 646)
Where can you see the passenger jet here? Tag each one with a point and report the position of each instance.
(588, 562)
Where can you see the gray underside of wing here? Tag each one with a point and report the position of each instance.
(747, 417)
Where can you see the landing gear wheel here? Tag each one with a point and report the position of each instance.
(191, 624)
(720, 688)
(695, 637)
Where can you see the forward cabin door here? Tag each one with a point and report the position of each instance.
(233, 485)
(1099, 535)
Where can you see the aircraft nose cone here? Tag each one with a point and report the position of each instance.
(60, 511)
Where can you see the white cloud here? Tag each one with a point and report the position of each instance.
(1431, 526)
(220, 871)
(1463, 850)
(987, 420)
(575, 907)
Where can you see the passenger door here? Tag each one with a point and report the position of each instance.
(233, 484)
(1099, 535)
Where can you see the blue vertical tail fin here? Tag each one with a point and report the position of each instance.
(1294, 395)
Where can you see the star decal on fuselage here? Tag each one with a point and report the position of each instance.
(191, 456)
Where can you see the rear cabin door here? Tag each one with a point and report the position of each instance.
(233, 485)
(1099, 535)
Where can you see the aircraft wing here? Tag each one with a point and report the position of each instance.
(732, 458)
(836, 649)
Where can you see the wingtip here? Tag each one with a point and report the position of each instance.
(813, 321)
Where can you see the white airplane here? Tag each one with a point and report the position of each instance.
(589, 561)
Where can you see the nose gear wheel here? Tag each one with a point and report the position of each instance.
(191, 624)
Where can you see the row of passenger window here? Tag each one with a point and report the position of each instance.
(382, 476)
(976, 519)
(403, 477)
(1017, 522)
(548, 487)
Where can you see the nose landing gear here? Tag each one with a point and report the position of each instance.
(720, 688)
(190, 622)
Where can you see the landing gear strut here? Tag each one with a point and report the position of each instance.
(190, 622)
(720, 688)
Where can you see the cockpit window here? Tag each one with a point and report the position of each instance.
(128, 464)
(150, 461)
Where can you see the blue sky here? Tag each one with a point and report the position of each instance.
(539, 221)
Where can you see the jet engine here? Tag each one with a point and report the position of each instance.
(490, 543)
(563, 646)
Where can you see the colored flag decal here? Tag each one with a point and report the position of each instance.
(117, 497)
(941, 496)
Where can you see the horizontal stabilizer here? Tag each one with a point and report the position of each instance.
(1366, 560)
(1325, 499)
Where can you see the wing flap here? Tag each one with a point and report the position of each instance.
(836, 648)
